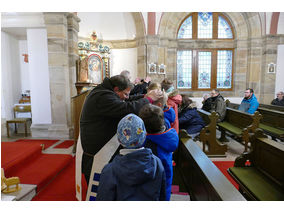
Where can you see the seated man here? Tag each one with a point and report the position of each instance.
(218, 104)
(249, 104)
(279, 101)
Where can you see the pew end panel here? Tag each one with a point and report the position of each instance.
(210, 144)
(239, 124)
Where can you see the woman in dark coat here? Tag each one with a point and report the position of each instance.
(188, 117)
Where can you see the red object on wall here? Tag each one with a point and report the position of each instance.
(26, 59)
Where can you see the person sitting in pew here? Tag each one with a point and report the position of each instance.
(162, 142)
(188, 117)
(135, 174)
(249, 103)
(279, 101)
(206, 102)
(218, 104)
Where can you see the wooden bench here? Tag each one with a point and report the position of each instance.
(211, 145)
(240, 124)
(272, 107)
(201, 178)
(263, 179)
(272, 123)
(232, 105)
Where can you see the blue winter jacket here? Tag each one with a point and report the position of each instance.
(190, 120)
(162, 145)
(136, 176)
(169, 116)
(249, 105)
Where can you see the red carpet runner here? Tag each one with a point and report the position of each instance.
(25, 160)
(65, 144)
(47, 143)
(223, 166)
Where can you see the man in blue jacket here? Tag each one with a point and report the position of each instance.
(249, 104)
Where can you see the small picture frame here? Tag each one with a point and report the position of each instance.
(152, 68)
(162, 69)
(271, 68)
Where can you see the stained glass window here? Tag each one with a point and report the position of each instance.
(184, 69)
(224, 29)
(185, 30)
(204, 65)
(224, 69)
(205, 25)
(204, 70)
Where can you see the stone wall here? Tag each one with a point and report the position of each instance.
(62, 34)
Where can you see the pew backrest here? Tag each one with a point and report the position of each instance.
(201, 177)
(272, 118)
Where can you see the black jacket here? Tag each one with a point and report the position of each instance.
(277, 102)
(101, 113)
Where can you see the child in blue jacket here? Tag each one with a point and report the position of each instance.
(161, 141)
(135, 174)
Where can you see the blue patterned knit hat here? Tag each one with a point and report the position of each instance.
(131, 132)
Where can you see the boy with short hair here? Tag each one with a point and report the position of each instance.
(161, 141)
(135, 174)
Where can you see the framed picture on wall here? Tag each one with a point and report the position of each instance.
(152, 68)
(95, 69)
(271, 68)
(162, 69)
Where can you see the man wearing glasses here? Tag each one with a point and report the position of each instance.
(249, 104)
(279, 101)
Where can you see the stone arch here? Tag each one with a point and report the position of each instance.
(139, 24)
(245, 25)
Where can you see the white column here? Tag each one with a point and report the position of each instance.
(279, 70)
(39, 81)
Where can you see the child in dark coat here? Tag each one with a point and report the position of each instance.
(161, 141)
(135, 174)
(188, 117)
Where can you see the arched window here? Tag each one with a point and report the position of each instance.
(203, 62)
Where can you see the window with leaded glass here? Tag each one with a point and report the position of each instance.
(185, 30)
(200, 68)
(205, 25)
(184, 66)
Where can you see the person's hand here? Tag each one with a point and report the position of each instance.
(147, 79)
(154, 94)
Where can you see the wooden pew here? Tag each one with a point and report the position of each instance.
(202, 179)
(211, 145)
(232, 105)
(240, 124)
(261, 106)
(272, 123)
(272, 107)
(77, 103)
(263, 179)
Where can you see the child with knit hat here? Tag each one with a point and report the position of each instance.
(135, 174)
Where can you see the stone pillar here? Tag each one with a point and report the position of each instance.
(73, 28)
(61, 63)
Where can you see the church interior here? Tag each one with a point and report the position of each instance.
(50, 61)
